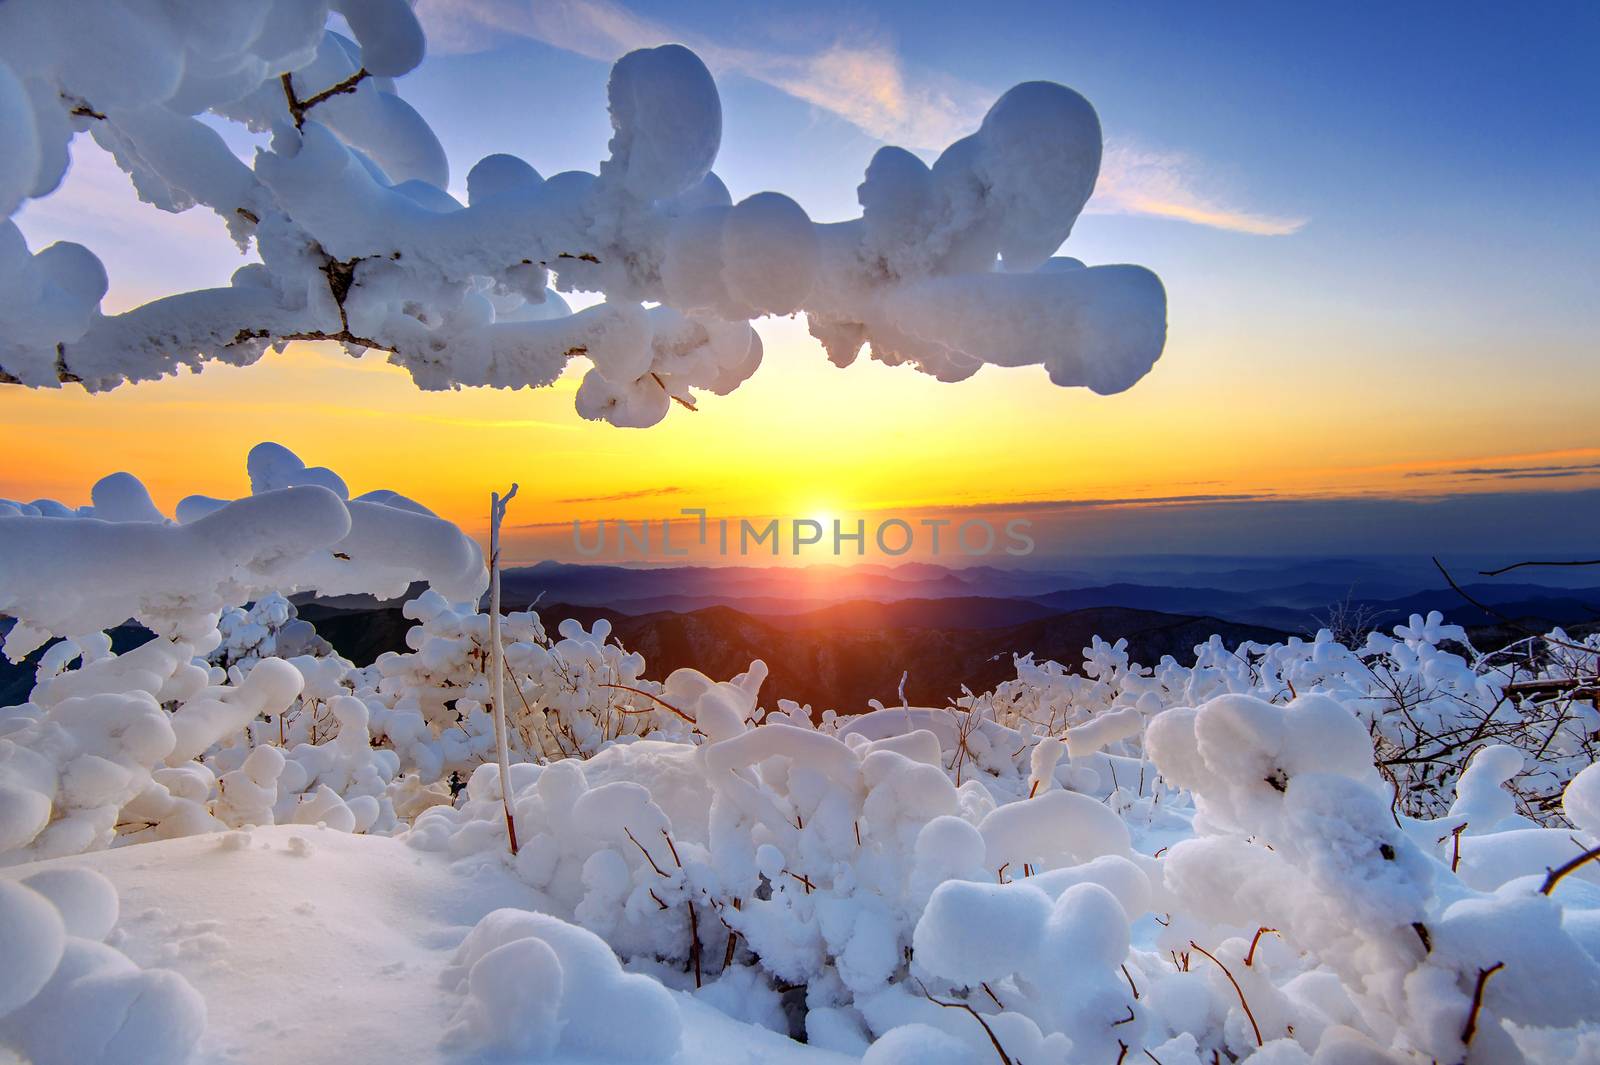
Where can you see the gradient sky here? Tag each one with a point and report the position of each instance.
(1376, 226)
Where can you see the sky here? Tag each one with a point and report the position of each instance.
(1375, 224)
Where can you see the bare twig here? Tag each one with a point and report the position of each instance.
(659, 871)
(1510, 621)
(1250, 955)
(1519, 565)
(1256, 1028)
(694, 948)
(299, 107)
(1477, 1002)
(1131, 984)
(662, 702)
(1553, 876)
(993, 1039)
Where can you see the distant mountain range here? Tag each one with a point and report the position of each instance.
(1296, 598)
(836, 636)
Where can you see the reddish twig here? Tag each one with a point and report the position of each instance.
(659, 871)
(993, 1039)
(647, 695)
(1250, 955)
(1553, 876)
(675, 859)
(1477, 1002)
(1256, 1028)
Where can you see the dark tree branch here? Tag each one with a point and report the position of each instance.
(1519, 565)
(993, 1039)
(1510, 621)
(1553, 876)
(299, 107)
(1477, 1002)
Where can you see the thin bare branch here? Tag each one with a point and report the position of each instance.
(299, 107)
(1553, 876)
(1519, 565)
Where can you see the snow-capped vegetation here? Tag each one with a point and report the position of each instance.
(1303, 851)
(346, 205)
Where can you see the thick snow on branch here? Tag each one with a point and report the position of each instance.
(69, 572)
(949, 267)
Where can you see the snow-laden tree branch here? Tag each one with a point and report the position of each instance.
(69, 571)
(949, 267)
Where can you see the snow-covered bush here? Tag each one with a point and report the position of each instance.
(569, 696)
(268, 628)
(1240, 885)
(65, 572)
(161, 741)
(70, 999)
(1427, 698)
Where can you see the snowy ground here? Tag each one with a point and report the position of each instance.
(314, 945)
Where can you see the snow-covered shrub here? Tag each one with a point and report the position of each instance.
(144, 746)
(161, 740)
(1428, 700)
(268, 628)
(533, 982)
(70, 999)
(1230, 877)
(570, 696)
(65, 572)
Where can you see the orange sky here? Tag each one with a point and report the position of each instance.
(803, 438)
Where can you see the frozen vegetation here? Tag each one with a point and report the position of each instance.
(1289, 853)
(347, 206)
(230, 845)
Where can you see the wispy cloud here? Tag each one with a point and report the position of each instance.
(1514, 472)
(1142, 181)
(1051, 505)
(864, 81)
(617, 497)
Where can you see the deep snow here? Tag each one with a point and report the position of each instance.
(314, 945)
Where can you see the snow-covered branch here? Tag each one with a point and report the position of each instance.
(949, 267)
